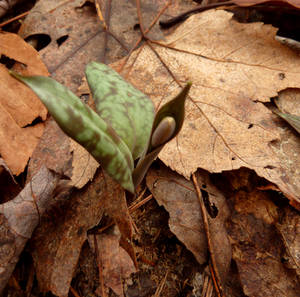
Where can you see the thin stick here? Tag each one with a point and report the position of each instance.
(183, 16)
(214, 270)
(161, 285)
(74, 292)
(131, 209)
(14, 19)
(100, 267)
(100, 15)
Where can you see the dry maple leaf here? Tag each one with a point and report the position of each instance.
(234, 68)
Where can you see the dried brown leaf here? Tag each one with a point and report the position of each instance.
(113, 259)
(178, 196)
(289, 228)
(77, 25)
(234, 68)
(53, 151)
(19, 106)
(84, 166)
(115, 205)
(257, 248)
(57, 242)
(20, 216)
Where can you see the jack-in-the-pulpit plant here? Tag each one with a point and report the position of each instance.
(122, 129)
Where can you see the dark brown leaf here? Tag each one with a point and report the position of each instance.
(57, 242)
(257, 248)
(113, 259)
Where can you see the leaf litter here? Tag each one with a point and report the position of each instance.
(252, 119)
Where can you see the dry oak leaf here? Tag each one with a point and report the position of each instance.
(19, 106)
(234, 69)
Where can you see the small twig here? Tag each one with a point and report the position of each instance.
(213, 268)
(207, 288)
(100, 267)
(161, 285)
(183, 16)
(14, 19)
(214, 279)
(131, 209)
(100, 15)
(134, 207)
(74, 292)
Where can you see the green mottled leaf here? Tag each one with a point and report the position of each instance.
(83, 125)
(162, 126)
(126, 109)
(292, 119)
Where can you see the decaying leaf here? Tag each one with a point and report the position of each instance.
(234, 69)
(295, 3)
(257, 248)
(52, 151)
(287, 149)
(289, 228)
(57, 242)
(178, 196)
(71, 41)
(20, 216)
(113, 259)
(19, 106)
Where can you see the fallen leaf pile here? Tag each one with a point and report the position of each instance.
(236, 146)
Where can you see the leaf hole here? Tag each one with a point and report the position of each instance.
(210, 207)
(34, 122)
(250, 126)
(38, 41)
(8, 62)
(269, 167)
(61, 40)
(136, 27)
(233, 158)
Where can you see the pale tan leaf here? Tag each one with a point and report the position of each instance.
(234, 68)
(84, 165)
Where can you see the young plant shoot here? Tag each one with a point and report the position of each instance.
(123, 127)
